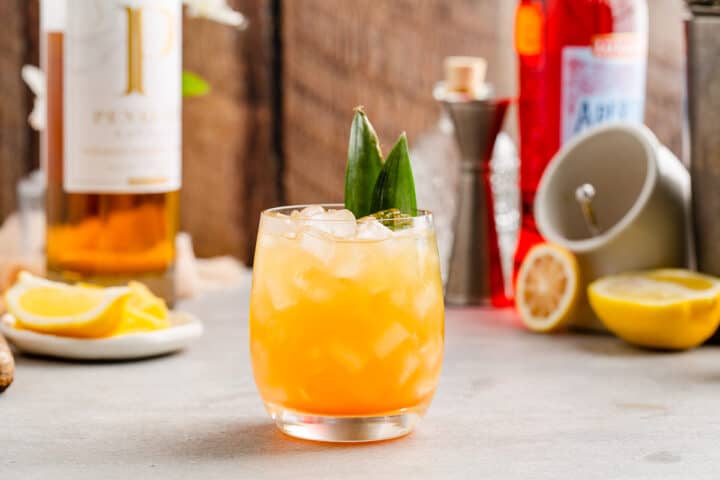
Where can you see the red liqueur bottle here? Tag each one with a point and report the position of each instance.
(581, 63)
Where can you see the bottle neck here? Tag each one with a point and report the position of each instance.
(52, 15)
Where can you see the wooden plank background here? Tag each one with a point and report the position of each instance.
(274, 129)
(15, 102)
(387, 55)
(383, 55)
(230, 170)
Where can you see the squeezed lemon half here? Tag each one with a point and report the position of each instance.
(67, 310)
(547, 288)
(142, 311)
(83, 310)
(666, 309)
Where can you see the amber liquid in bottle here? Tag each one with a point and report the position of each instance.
(102, 238)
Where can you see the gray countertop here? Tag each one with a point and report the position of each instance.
(510, 405)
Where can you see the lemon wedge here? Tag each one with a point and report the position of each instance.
(142, 311)
(67, 310)
(547, 288)
(665, 309)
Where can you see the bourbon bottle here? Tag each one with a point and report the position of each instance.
(112, 144)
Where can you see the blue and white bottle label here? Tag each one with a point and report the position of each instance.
(603, 83)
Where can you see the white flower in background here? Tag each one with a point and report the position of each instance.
(35, 79)
(216, 10)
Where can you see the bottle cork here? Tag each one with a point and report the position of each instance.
(465, 75)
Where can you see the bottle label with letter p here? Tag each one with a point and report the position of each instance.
(122, 96)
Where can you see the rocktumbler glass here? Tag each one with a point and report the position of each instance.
(346, 322)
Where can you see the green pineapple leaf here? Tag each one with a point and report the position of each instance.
(364, 164)
(395, 187)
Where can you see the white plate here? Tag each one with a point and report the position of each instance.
(185, 328)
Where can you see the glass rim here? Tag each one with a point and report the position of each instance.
(422, 214)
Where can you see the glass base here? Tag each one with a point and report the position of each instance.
(345, 429)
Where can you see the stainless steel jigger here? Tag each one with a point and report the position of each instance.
(475, 275)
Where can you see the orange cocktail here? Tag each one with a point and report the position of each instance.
(346, 323)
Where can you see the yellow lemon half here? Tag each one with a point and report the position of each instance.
(665, 309)
(142, 312)
(547, 288)
(56, 308)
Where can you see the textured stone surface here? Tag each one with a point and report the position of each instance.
(510, 405)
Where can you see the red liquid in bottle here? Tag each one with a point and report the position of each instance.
(581, 63)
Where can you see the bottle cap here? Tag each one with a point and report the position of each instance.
(52, 15)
